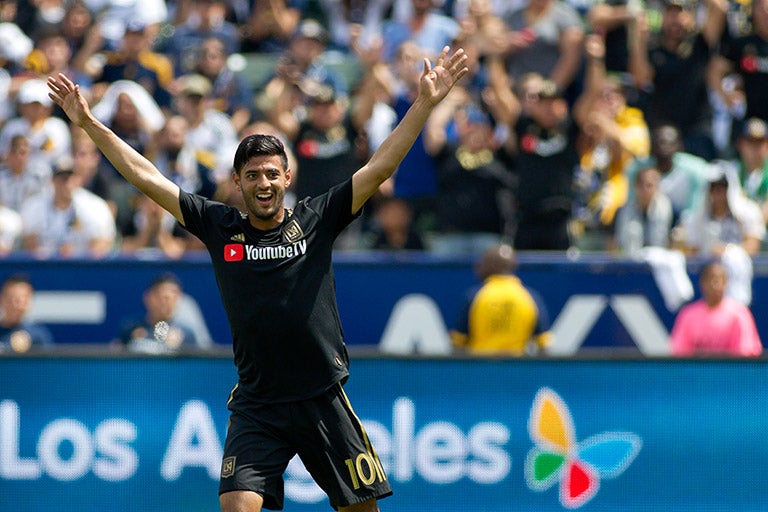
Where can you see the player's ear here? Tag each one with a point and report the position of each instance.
(236, 179)
(288, 175)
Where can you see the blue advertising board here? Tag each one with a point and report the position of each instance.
(593, 301)
(146, 435)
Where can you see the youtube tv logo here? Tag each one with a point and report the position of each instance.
(233, 252)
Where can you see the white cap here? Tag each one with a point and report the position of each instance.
(34, 90)
(14, 44)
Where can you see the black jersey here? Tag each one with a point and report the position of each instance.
(278, 289)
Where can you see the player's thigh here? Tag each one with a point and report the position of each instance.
(240, 501)
(366, 506)
(255, 457)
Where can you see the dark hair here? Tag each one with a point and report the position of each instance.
(259, 145)
(16, 278)
(163, 278)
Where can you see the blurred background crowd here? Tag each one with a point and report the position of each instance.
(610, 125)
(628, 126)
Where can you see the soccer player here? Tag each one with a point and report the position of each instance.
(273, 269)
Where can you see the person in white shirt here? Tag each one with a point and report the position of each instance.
(21, 175)
(10, 230)
(49, 137)
(70, 222)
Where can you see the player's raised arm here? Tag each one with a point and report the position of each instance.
(434, 84)
(130, 163)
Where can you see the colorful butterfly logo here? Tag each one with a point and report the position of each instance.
(578, 466)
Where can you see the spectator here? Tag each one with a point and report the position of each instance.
(48, 136)
(206, 19)
(157, 332)
(271, 25)
(475, 184)
(646, 220)
(210, 133)
(10, 230)
(545, 137)
(501, 316)
(728, 226)
(70, 222)
(546, 37)
(613, 136)
(129, 110)
(675, 71)
(154, 232)
(94, 174)
(17, 332)
(614, 19)
(715, 324)
(743, 54)
(231, 93)
(683, 175)
(752, 160)
(114, 17)
(431, 31)
(22, 176)
(179, 161)
(135, 61)
(393, 228)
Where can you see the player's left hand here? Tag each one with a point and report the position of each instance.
(449, 67)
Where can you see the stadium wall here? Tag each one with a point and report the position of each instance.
(128, 434)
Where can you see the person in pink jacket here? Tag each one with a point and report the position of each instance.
(715, 324)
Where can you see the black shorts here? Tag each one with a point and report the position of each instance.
(326, 434)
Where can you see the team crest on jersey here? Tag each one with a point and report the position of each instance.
(292, 232)
(228, 467)
(240, 237)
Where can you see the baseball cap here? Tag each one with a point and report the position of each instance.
(195, 85)
(687, 5)
(474, 115)
(322, 89)
(135, 26)
(549, 90)
(34, 91)
(754, 128)
(14, 43)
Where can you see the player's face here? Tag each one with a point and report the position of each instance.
(262, 182)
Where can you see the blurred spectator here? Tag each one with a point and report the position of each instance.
(501, 315)
(135, 61)
(728, 226)
(128, 110)
(429, 29)
(715, 324)
(15, 45)
(206, 19)
(613, 136)
(114, 16)
(70, 222)
(53, 55)
(745, 55)
(683, 175)
(178, 160)
(646, 220)
(231, 92)
(546, 37)
(154, 232)
(752, 160)
(393, 228)
(545, 137)
(210, 133)
(48, 136)
(475, 183)
(271, 25)
(17, 332)
(158, 332)
(10, 230)
(22, 176)
(325, 141)
(614, 19)
(95, 176)
(674, 70)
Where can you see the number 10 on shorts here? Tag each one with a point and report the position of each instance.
(365, 468)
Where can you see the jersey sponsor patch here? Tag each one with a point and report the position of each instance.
(292, 232)
(233, 252)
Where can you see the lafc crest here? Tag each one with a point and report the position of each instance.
(292, 231)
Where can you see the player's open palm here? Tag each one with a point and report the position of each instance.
(67, 95)
(449, 68)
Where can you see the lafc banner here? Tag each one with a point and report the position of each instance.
(146, 435)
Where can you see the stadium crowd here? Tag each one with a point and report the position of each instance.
(545, 145)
